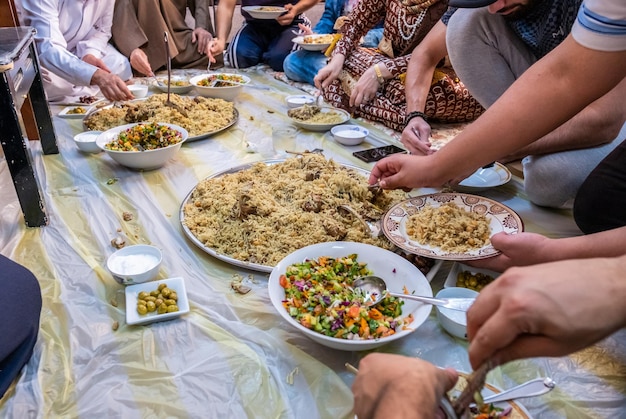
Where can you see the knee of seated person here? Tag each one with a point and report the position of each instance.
(546, 189)
(464, 23)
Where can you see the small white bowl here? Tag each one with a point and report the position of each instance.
(457, 268)
(138, 90)
(454, 321)
(225, 92)
(295, 101)
(140, 160)
(86, 141)
(135, 264)
(349, 134)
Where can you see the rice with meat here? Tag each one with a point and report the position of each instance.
(449, 227)
(263, 213)
(201, 115)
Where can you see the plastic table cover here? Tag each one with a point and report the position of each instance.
(231, 355)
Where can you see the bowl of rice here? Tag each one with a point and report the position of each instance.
(311, 290)
(143, 146)
(225, 86)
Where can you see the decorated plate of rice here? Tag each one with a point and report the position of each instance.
(450, 226)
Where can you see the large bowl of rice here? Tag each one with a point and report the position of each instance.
(142, 146)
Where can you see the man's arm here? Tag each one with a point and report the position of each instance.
(224, 22)
(424, 59)
(526, 112)
(597, 124)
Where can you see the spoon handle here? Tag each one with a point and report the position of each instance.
(531, 388)
(460, 304)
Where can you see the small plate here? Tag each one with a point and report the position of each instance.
(319, 127)
(501, 218)
(67, 112)
(132, 291)
(485, 178)
(311, 46)
(270, 12)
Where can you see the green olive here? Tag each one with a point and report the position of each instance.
(142, 295)
(173, 296)
(162, 309)
(173, 308)
(161, 286)
(142, 309)
(151, 306)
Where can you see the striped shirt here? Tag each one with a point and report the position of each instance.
(601, 25)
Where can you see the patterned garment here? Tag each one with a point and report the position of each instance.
(448, 99)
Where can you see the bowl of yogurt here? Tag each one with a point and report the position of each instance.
(349, 134)
(135, 264)
(454, 321)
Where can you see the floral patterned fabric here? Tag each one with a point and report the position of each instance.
(448, 99)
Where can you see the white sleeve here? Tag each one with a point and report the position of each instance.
(601, 25)
(51, 45)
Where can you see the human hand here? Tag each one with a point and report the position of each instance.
(97, 62)
(365, 89)
(287, 17)
(112, 87)
(139, 61)
(415, 137)
(304, 29)
(550, 309)
(217, 47)
(401, 171)
(520, 249)
(327, 74)
(202, 38)
(396, 386)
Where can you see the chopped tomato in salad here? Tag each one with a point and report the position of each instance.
(319, 295)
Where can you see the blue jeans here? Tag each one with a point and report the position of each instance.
(302, 65)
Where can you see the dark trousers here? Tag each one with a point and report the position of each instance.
(20, 299)
(600, 203)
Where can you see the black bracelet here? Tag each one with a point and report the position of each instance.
(414, 114)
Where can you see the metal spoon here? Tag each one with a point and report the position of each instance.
(375, 289)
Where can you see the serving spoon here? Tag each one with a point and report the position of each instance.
(375, 289)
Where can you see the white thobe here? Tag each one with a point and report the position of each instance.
(67, 30)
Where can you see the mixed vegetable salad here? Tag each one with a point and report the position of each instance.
(143, 137)
(319, 295)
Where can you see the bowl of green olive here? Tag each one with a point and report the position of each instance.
(466, 276)
(156, 301)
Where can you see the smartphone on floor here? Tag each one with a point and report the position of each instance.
(375, 154)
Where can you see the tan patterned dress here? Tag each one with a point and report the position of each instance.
(404, 27)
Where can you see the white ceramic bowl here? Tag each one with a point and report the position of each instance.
(86, 141)
(179, 90)
(295, 101)
(135, 264)
(451, 279)
(226, 92)
(144, 160)
(396, 270)
(138, 90)
(349, 134)
(454, 321)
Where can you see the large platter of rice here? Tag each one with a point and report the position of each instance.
(201, 117)
(450, 226)
(254, 215)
